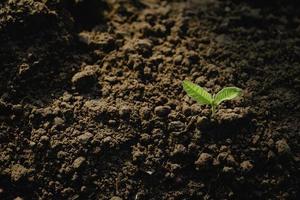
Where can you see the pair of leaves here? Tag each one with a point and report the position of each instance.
(203, 97)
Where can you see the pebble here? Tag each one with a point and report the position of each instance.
(222, 156)
(107, 140)
(246, 166)
(58, 121)
(18, 171)
(145, 137)
(202, 123)
(66, 97)
(145, 112)
(282, 147)
(255, 139)
(204, 160)
(179, 150)
(84, 138)
(32, 143)
(178, 59)
(228, 170)
(162, 111)
(61, 154)
(230, 160)
(213, 148)
(85, 79)
(224, 148)
(176, 126)
(44, 139)
(147, 71)
(124, 111)
(78, 162)
(24, 68)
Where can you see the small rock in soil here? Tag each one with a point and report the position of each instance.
(179, 150)
(124, 111)
(282, 147)
(186, 110)
(176, 126)
(24, 68)
(143, 46)
(178, 59)
(66, 97)
(228, 170)
(85, 79)
(84, 138)
(145, 137)
(204, 160)
(18, 171)
(224, 148)
(162, 111)
(44, 139)
(202, 123)
(231, 161)
(103, 41)
(78, 162)
(32, 144)
(246, 166)
(222, 156)
(137, 154)
(58, 121)
(145, 112)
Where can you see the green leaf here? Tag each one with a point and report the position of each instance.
(227, 93)
(197, 93)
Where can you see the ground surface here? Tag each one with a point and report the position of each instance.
(92, 105)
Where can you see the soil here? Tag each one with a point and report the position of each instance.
(92, 105)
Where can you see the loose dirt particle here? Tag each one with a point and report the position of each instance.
(44, 139)
(231, 161)
(176, 126)
(179, 150)
(78, 162)
(228, 170)
(162, 111)
(58, 121)
(84, 138)
(84, 80)
(204, 161)
(282, 147)
(246, 166)
(202, 122)
(18, 171)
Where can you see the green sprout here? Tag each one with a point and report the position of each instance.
(204, 98)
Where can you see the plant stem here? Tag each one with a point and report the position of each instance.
(213, 109)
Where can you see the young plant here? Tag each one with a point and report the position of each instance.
(203, 97)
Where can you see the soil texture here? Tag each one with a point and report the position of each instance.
(92, 105)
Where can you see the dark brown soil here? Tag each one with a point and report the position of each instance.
(92, 107)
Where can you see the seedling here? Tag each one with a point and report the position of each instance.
(204, 98)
